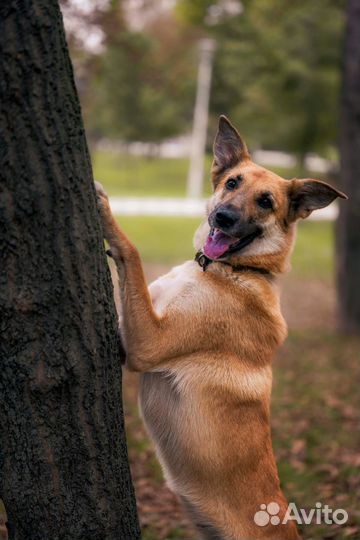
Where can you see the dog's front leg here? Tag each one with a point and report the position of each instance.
(151, 340)
(140, 322)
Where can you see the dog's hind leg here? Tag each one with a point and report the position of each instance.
(202, 524)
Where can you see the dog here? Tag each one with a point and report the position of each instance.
(203, 338)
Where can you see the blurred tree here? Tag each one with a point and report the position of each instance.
(276, 70)
(63, 460)
(145, 82)
(348, 226)
(194, 11)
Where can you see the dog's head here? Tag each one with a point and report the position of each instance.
(251, 215)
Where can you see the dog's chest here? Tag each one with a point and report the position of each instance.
(173, 286)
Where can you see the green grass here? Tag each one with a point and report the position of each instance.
(169, 241)
(123, 175)
(161, 239)
(313, 255)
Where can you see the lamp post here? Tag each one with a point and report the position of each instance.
(201, 113)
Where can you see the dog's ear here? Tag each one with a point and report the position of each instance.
(229, 148)
(308, 195)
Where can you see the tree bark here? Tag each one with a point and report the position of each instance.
(63, 460)
(348, 226)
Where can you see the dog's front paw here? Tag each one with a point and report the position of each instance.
(104, 210)
(102, 198)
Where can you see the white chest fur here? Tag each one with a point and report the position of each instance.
(170, 287)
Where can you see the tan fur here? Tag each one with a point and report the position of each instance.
(204, 342)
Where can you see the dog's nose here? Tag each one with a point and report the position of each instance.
(225, 218)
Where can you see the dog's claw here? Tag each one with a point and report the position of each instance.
(99, 189)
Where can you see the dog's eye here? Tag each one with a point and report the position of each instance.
(264, 201)
(232, 183)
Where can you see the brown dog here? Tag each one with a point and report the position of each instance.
(204, 336)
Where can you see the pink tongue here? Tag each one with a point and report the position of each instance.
(217, 244)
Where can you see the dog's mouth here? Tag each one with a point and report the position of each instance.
(218, 244)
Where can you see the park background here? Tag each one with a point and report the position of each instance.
(276, 74)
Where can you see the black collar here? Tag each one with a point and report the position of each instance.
(204, 262)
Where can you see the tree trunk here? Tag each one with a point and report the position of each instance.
(348, 227)
(63, 460)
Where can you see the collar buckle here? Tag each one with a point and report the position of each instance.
(202, 260)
